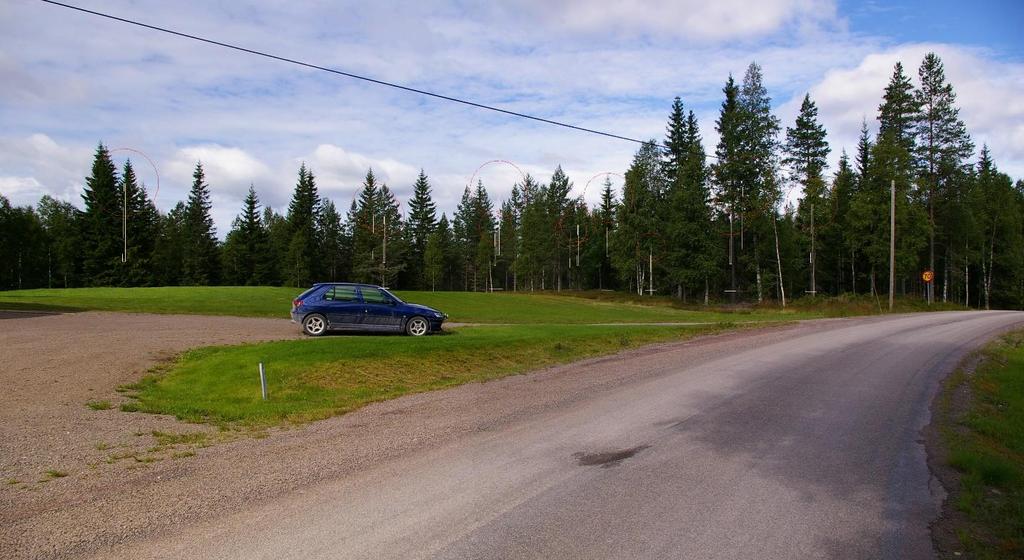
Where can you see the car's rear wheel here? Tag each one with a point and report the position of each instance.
(314, 325)
(417, 326)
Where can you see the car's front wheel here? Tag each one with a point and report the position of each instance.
(314, 325)
(417, 326)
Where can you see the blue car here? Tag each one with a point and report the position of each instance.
(361, 307)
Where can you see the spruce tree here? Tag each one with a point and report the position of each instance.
(392, 238)
(23, 257)
(61, 220)
(676, 142)
(760, 191)
(142, 225)
(558, 211)
(438, 257)
(367, 228)
(943, 147)
(246, 248)
(728, 174)
(863, 153)
(332, 242)
(806, 151)
(690, 241)
(102, 243)
(169, 255)
(899, 110)
(536, 242)
(200, 253)
(636, 241)
(507, 245)
(835, 234)
(303, 256)
(422, 221)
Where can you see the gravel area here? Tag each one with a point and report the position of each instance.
(53, 446)
(120, 486)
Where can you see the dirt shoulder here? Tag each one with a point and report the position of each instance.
(53, 365)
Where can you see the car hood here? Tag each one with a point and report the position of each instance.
(415, 307)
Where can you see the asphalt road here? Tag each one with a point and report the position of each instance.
(808, 446)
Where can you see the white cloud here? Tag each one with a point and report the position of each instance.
(698, 20)
(36, 165)
(611, 66)
(990, 94)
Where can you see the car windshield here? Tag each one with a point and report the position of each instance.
(396, 298)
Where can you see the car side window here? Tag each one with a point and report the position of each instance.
(341, 294)
(373, 295)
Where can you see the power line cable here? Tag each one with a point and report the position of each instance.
(343, 73)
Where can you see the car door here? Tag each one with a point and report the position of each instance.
(380, 311)
(344, 308)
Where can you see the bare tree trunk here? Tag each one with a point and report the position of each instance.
(778, 257)
(967, 282)
(945, 278)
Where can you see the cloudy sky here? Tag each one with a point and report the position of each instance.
(70, 80)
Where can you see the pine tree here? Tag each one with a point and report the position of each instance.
(303, 256)
(101, 223)
(200, 254)
(422, 221)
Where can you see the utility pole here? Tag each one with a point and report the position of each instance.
(124, 223)
(732, 263)
(892, 242)
(814, 285)
(650, 271)
(384, 256)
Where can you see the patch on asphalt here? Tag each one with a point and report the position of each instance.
(606, 459)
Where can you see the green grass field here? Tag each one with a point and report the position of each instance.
(318, 378)
(987, 446)
(467, 307)
(313, 379)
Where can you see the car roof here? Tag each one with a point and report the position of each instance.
(318, 284)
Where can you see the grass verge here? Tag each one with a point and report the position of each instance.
(468, 307)
(986, 446)
(314, 379)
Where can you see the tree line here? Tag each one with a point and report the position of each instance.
(701, 227)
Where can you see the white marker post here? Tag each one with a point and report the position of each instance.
(263, 382)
